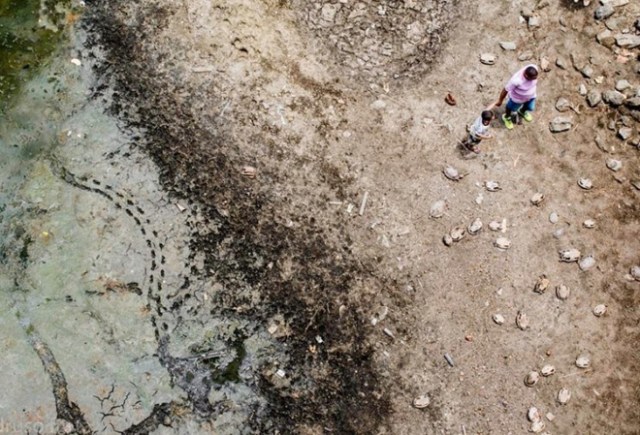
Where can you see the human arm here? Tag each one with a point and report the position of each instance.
(500, 100)
(484, 136)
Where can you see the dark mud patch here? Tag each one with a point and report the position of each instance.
(298, 272)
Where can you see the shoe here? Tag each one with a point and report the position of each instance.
(527, 116)
(507, 122)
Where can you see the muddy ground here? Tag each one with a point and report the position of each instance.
(339, 107)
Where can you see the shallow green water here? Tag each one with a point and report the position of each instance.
(29, 34)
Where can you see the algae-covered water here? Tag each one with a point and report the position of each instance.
(90, 249)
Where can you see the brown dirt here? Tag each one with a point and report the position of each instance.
(270, 85)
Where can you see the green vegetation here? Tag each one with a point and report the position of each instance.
(26, 42)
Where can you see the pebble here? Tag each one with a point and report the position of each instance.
(421, 401)
(562, 104)
(560, 124)
(614, 165)
(525, 55)
(587, 71)
(558, 233)
(587, 263)
(378, 105)
(599, 310)
(76, 62)
(437, 209)
(582, 89)
(563, 396)
(488, 58)
(561, 63)
(563, 292)
(508, 45)
(498, 319)
(606, 38)
(625, 133)
(594, 98)
(613, 97)
(604, 12)
(626, 40)
(621, 85)
(534, 21)
(553, 217)
(589, 223)
(545, 65)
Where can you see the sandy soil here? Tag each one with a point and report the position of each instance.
(332, 103)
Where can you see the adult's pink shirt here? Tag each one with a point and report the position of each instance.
(520, 89)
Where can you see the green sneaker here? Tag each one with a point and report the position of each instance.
(527, 116)
(507, 122)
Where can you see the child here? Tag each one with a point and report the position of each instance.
(478, 131)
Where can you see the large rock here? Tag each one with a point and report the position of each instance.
(626, 40)
(560, 124)
(614, 98)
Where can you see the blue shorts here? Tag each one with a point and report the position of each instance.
(529, 106)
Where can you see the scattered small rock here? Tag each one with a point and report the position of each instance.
(508, 45)
(603, 12)
(613, 97)
(537, 198)
(450, 99)
(614, 165)
(488, 59)
(626, 40)
(569, 255)
(475, 227)
(562, 104)
(585, 183)
(625, 133)
(594, 98)
(553, 217)
(599, 310)
(563, 292)
(542, 284)
(452, 173)
(534, 21)
(457, 234)
(531, 379)
(533, 415)
(587, 263)
(560, 124)
(525, 55)
(622, 85)
(492, 186)
(545, 65)
(563, 396)
(583, 361)
(606, 38)
(547, 370)
(498, 319)
(437, 209)
(561, 63)
(522, 321)
(582, 89)
(421, 401)
(587, 71)
(502, 243)
(589, 223)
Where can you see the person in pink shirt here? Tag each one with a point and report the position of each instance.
(521, 89)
